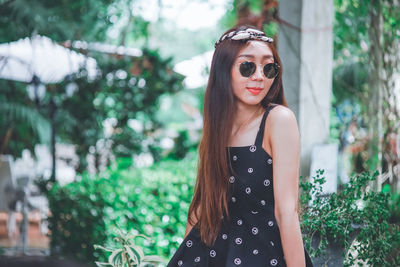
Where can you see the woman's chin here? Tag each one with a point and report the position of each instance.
(251, 101)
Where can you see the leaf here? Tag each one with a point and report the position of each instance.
(153, 259)
(21, 113)
(103, 248)
(134, 256)
(101, 264)
(137, 250)
(144, 237)
(113, 258)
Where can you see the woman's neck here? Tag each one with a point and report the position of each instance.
(245, 114)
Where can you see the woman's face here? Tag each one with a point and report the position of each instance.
(251, 90)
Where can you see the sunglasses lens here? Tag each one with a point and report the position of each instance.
(271, 70)
(247, 68)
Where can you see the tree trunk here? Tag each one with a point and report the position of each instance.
(376, 87)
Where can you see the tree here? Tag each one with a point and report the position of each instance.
(127, 87)
(373, 26)
(57, 19)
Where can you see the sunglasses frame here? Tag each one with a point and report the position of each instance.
(273, 65)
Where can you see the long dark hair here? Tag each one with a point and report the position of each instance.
(210, 204)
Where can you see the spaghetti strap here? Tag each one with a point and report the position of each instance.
(260, 134)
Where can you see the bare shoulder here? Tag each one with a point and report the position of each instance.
(281, 115)
(280, 127)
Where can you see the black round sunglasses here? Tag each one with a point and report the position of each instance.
(248, 68)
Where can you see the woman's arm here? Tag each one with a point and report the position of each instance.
(285, 145)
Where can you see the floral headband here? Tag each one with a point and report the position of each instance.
(248, 34)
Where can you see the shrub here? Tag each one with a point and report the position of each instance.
(153, 201)
(77, 219)
(354, 210)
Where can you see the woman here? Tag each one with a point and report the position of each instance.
(244, 210)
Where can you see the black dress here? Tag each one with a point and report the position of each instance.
(251, 237)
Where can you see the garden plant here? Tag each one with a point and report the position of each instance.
(333, 221)
(128, 254)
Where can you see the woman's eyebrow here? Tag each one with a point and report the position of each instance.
(252, 56)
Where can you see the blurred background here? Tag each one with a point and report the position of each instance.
(101, 113)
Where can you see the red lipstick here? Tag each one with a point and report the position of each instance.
(254, 90)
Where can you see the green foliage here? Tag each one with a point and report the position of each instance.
(363, 51)
(350, 84)
(127, 254)
(58, 19)
(77, 219)
(128, 88)
(15, 112)
(271, 29)
(250, 8)
(339, 216)
(350, 81)
(350, 29)
(21, 124)
(182, 146)
(394, 205)
(153, 201)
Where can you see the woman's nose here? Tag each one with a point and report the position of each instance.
(258, 74)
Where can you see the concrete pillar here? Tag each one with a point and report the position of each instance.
(305, 44)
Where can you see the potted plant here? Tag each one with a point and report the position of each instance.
(331, 222)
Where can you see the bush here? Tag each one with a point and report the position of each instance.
(153, 201)
(77, 219)
(353, 211)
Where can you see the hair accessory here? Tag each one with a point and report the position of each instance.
(248, 34)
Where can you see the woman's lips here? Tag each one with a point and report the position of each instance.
(254, 90)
